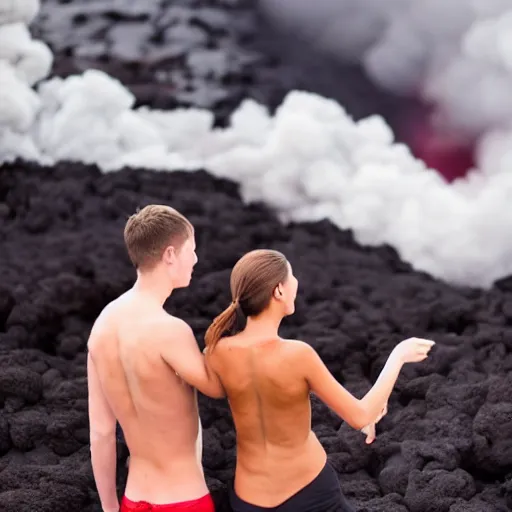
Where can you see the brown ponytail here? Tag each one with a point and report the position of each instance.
(222, 323)
(253, 281)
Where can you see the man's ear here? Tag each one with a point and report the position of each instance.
(169, 255)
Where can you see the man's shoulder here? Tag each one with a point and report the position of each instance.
(166, 327)
(173, 322)
(108, 313)
(117, 302)
(103, 326)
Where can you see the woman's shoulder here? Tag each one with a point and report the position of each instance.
(298, 348)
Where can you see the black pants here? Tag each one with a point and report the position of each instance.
(120, 434)
(323, 494)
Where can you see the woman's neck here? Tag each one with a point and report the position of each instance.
(263, 325)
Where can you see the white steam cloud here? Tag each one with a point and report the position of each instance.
(309, 161)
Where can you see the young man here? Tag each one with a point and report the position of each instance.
(142, 367)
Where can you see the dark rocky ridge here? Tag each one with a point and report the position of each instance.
(444, 445)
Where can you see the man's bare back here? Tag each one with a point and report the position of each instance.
(142, 367)
(129, 348)
(264, 382)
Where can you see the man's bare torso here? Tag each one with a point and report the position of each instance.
(155, 408)
(277, 453)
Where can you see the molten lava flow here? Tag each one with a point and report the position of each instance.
(444, 151)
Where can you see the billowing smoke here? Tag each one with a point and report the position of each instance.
(456, 55)
(23, 62)
(310, 160)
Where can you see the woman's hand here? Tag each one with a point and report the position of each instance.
(413, 350)
(370, 430)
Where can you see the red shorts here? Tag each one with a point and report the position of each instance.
(204, 504)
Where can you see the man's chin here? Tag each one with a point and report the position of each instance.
(184, 284)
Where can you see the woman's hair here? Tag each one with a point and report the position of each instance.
(253, 281)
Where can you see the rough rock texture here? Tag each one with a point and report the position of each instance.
(444, 446)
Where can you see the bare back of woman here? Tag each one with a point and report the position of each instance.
(281, 465)
(277, 453)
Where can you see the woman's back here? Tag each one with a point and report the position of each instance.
(277, 453)
(280, 462)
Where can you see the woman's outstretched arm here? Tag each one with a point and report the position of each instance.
(359, 413)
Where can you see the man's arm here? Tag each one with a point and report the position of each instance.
(180, 351)
(102, 426)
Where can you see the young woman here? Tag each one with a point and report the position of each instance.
(281, 465)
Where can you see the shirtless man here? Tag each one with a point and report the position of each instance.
(142, 367)
(281, 465)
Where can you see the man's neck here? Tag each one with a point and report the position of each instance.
(154, 286)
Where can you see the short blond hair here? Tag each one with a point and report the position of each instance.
(150, 230)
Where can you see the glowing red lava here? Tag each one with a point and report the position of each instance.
(446, 153)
